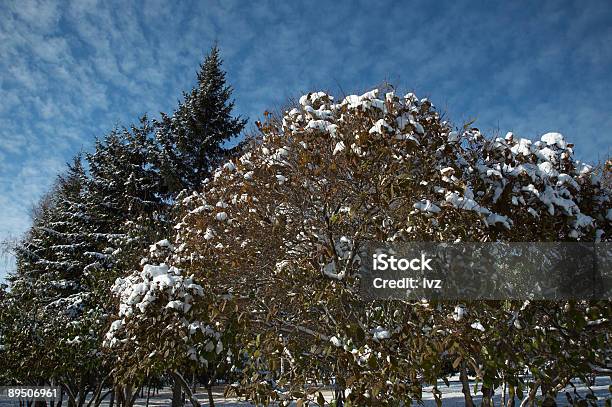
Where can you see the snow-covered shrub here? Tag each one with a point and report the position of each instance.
(279, 228)
(166, 324)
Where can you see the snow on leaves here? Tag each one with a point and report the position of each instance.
(506, 180)
(328, 176)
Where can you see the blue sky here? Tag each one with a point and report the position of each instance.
(70, 71)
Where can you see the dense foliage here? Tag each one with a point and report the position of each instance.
(278, 231)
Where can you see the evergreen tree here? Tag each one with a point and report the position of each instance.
(55, 321)
(53, 251)
(191, 140)
(124, 198)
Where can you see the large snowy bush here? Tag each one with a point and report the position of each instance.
(280, 228)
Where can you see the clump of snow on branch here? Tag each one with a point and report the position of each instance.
(164, 286)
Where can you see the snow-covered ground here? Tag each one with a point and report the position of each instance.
(452, 396)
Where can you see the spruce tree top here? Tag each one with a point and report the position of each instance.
(191, 140)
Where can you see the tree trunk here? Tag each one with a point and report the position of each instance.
(134, 396)
(148, 394)
(128, 393)
(487, 395)
(211, 399)
(339, 396)
(511, 393)
(120, 396)
(96, 396)
(181, 384)
(177, 394)
(549, 396)
(81, 394)
(463, 377)
(437, 394)
(102, 397)
(71, 396)
(530, 398)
